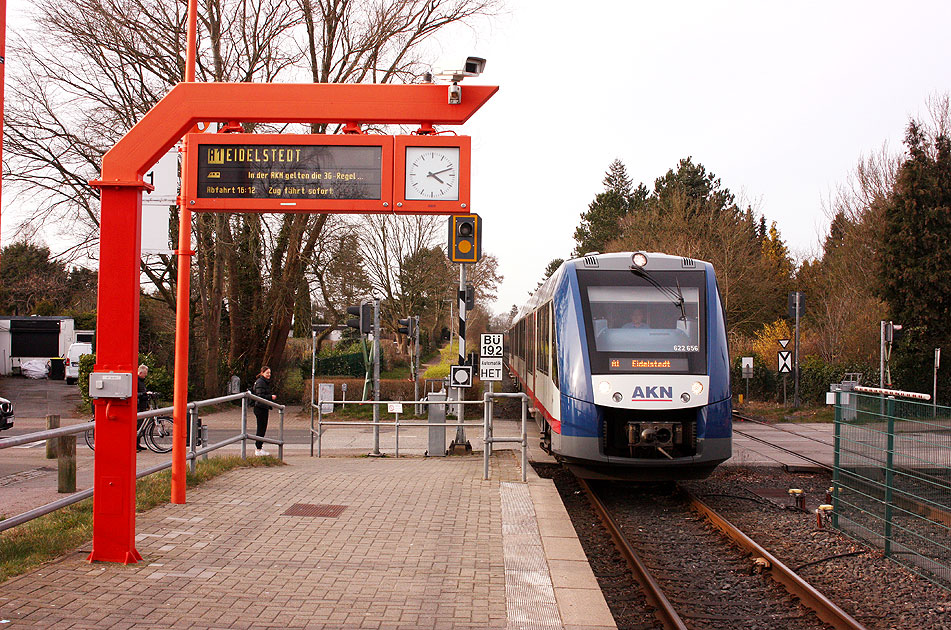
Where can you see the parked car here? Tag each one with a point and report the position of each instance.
(75, 351)
(6, 414)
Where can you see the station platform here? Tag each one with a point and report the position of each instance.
(349, 541)
(335, 542)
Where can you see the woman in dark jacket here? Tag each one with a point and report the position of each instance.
(262, 388)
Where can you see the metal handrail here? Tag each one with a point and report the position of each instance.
(191, 455)
(48, 434)
(486, 424)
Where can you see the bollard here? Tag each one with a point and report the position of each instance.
(437, 432)
(66, 463)
(52, 422)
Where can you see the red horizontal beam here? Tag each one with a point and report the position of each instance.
(190, 103)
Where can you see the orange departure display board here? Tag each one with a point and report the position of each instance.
(328, 173)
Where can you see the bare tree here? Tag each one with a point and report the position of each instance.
(94, 67)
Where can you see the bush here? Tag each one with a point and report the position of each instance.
(815, 376)
(158, 380)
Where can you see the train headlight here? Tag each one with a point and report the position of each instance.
(604, 387)
(639, 259)
(697, 388)
(617, 397)
(685, 397)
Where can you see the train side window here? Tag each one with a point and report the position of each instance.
(543, 335)
(530, 342)
(554, 344)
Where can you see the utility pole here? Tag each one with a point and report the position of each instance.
(798, 297)
(460, 439)
(881, 355)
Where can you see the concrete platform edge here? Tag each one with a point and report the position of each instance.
(581, 603)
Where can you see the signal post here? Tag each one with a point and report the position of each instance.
(400, 185)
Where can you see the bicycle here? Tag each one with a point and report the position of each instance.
(156, 432)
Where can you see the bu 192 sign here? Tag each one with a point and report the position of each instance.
(491, 345)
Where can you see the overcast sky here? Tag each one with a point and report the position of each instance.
(778, 99)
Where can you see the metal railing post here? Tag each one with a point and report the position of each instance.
(524, 439)
(193, 431)
(889, 476)
(280, 447)
(837, 457)
(244, 427)
(485, 436)
(320, 419)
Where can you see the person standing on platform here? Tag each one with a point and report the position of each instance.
(263, 389)
(142, 404)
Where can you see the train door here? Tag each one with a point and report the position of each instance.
(542, 382)
(530, 353)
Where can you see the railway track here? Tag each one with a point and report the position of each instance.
(746, 418)
(699, 572)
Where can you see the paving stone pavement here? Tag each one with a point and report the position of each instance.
(395, 558)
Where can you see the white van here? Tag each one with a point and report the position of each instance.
(75, 351)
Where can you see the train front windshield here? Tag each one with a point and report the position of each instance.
(635, 326)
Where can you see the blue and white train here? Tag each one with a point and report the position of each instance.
(625, 359)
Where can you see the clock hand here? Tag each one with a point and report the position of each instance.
(434, 176)
(444, 170)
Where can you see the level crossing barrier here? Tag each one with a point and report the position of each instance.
(892, 478)
(196, 448)
(488, 430)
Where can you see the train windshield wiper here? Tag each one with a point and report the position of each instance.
(675, 297)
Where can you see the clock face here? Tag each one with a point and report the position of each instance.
(432, 173)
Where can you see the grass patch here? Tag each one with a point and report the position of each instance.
(49, 537)
(448, 355)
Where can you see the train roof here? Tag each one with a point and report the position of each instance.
(656, 261)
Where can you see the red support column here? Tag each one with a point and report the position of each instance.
(117, 343)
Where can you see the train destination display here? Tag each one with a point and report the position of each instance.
(279, 172)
(647, 365)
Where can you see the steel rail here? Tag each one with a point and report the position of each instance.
(663, 609)
(824, 608)
(781, 448)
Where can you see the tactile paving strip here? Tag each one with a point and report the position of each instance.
(529, 594)
(319, 510)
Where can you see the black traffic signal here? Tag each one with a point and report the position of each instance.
(470, 297)
(407, 326)
(465, 238)
(893, 332)
(364, 320)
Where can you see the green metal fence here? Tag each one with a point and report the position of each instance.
(892, 479)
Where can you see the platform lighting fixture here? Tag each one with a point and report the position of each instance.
(639, 259)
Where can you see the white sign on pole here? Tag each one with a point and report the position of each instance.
(394, 407)
(155, 204)
(747, 367)
(490, 368)
(326, 392)
(783, 342)
(491, 345)
(785, 361)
